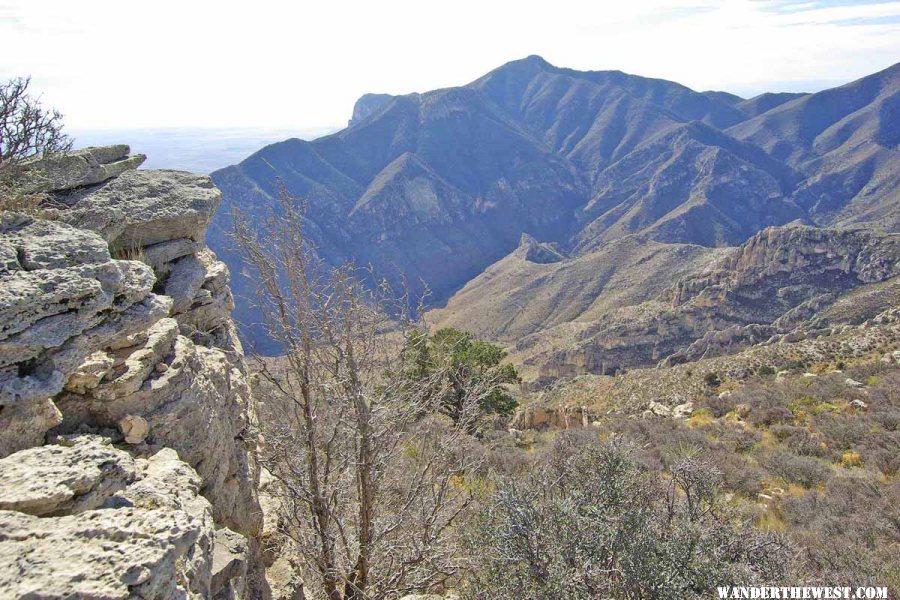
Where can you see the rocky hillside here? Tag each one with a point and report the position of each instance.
(127, 437)
(845, 141)
(636, 303)
(436, 187)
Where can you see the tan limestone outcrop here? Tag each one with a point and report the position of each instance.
(115, 322)
(81, 167)
(536, 416)
(66, 532)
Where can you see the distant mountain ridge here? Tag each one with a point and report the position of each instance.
(435, 187)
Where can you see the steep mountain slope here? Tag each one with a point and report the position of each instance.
(846, 141)
(435, 186)
(605, 169)
(691, 184)
(765, 102)
(515, 151)
(594, 118)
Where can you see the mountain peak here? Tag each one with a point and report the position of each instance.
(531, 64)
(537, 60)
(368, 104)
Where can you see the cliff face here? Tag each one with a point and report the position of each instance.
(368, 104)
(127, 438)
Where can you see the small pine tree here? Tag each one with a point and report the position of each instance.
(470, 368)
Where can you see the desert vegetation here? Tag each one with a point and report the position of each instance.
(367, 438)
(808, 457)
(395, 472)
(27, 130)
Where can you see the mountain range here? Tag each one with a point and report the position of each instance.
(556, 210)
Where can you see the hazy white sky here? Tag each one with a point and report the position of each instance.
(267, 63)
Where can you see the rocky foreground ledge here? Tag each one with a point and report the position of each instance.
(127, 438)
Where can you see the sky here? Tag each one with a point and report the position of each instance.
(112, 64)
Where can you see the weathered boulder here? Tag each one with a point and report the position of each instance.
(155, 206)
(152, 538)
(83, 167)
(68, 478)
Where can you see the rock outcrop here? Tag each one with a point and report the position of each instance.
(81, 168)
(536, 416)
(84, 519)
(367, 105)
(115, 328)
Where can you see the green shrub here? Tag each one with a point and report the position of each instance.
(765, 371)
(712, 380)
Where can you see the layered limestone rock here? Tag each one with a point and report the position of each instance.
(62, 298)
(799, 254)
(83, 519)
(88, 166)
(115, 321)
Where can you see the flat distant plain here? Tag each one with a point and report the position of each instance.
(201, 150)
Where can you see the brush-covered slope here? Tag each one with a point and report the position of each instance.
(636, 302)
(522, 295)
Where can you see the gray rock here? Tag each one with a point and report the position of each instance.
(659, 410)
(157, 206)
(69, 478)
(25, 425)
(153, 539)
(201, 389)
(229, 565)
(40, 244)
(83, 167)
(891, 358)
(185, 279)
(133, 365)
(67, 300)
(158, 256)
(683, 411)
(86, 346)
(91, 372)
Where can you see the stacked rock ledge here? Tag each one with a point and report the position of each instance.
(127, 426)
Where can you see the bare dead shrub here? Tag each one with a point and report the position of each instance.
(370, 485)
